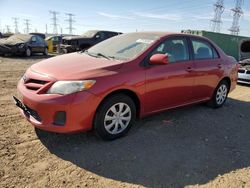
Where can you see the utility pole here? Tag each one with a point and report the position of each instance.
(218, 10)
(237, 12)
(16, 24)
(54, 21)
(27, 24)
(8, 29)
(46, 29)
(70, 21)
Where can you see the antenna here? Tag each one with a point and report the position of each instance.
(216, 21)
(26, 22)
(70, 20)
(237, 12)
(54, 21)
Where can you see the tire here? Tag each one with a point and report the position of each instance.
(220, 95)
(27, 52)
(114, 117)
(64, 51)
(45, 51)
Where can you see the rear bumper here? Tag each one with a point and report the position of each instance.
(79, 109)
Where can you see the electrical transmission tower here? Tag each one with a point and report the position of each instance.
(70, 21)
(216, 21)
(237, 12)
(27, 24)
(54, 21)
(16, 24)
(8, 29)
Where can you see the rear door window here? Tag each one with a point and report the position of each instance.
(203, 50)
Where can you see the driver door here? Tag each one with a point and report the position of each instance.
(170, 85)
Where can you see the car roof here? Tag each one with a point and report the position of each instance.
(163, 34)
(104, 31)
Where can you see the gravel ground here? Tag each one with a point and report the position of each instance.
(195, 146)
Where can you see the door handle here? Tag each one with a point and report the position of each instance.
(189, 69)
(219, 66)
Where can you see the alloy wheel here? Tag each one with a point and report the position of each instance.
(221, 94)
(117, 118)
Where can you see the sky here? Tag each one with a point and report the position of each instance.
(122, 16)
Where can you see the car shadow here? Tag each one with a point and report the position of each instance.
(242, 84)
(186, 146)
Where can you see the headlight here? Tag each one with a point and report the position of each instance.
(68, 87)
(21, 45)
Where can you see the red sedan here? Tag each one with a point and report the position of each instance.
(132, 75)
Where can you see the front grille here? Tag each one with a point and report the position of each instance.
(37, 81)
(33, 84)
(241, 71)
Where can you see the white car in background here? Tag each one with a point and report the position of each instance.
(244, 69)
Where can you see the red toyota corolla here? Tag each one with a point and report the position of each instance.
(132, 75)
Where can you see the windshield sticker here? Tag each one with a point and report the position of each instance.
(145, 41)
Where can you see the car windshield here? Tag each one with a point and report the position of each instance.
(124, 47)
(18, 38)
(89, 34)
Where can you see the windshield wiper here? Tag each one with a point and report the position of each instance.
(99, 55)
(102, 55)
(86, 51)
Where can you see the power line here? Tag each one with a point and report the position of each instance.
(216, 21)
(237, 12)
(16, 24)
(54, 21)
(27, 24)
(70, 21)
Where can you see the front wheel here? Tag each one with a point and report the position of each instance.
(220, 95)
(114, 117)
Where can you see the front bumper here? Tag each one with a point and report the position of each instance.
(79, 109)
(11, 50)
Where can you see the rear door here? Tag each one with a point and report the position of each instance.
(172, 84)
(40, 44)
(33, 44)
(208, 68)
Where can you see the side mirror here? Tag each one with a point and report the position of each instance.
(97, 36)
(159, 59)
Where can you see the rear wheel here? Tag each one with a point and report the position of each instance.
(220, 95)
(28, 52)
(45, 51)
(114, 117)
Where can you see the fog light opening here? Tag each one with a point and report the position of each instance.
(60, 118)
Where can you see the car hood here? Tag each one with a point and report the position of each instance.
(10, 43)
(75, 66)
